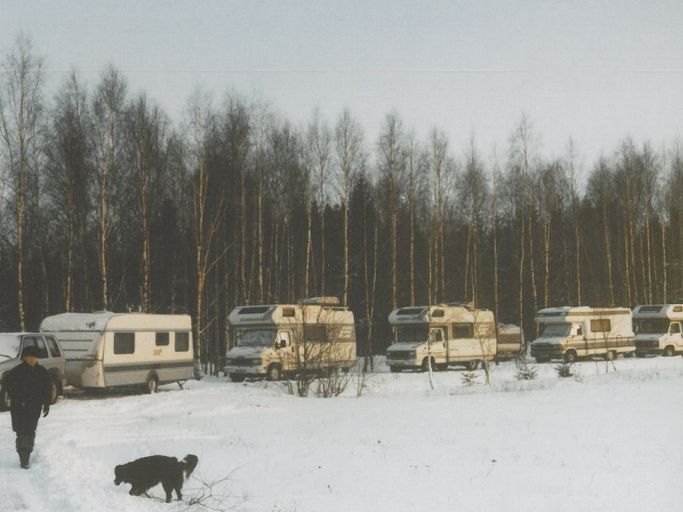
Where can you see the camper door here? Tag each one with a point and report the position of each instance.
(463, 343)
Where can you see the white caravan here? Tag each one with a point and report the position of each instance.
(280, 339)
(441, 335)
(570, 333)
(105, 350)
(658, 329)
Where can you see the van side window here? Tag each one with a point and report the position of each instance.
(463, 331)
(675, 328)
(161, 339)
(124, 343)
(39, 343)
(182, 341)
(601, 325)
(315, 333)
(54, 348)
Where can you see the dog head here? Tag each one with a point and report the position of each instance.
(119, 474)
(189, 463)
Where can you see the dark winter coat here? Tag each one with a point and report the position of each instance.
(29, 389)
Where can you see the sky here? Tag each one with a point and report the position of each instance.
(595, 71)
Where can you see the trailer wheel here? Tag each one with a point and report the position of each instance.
(236, 378)
(610, 355)
(274, 372)
(472, 365)
(4, 400)
(570, 356)
(152, 384)
(668, 351)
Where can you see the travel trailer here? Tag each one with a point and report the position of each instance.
(276, 340)
(658, 329)
(570, 333)
(106, 350)
(510, 341)
(439, 336)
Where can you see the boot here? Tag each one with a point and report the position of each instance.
(24, 456)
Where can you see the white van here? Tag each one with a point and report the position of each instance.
(106, 350)
(570, 333)
(440, 335)
(279, 339)
(658, 329)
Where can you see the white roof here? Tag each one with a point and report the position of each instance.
(441, 313)
(671, 311)
(560, 314)
(98, 322)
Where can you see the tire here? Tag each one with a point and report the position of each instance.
(640, 354)
(472, 365)
(570, 357)
(152, 385)
(4, 400)
(610, 355)
(395, 369)
(425, 364)
(274, 372)
(236, 378)
(668, 351)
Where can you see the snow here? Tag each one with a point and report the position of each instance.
(601, 440)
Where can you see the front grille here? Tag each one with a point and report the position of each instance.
(401, 354)
(647, 343)
(241, 361)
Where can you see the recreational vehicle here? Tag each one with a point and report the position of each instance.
(658, 329)
(510, 341)
(570, 333)
(279, 339)
(49, 356)
(106, 350)
(439, 336)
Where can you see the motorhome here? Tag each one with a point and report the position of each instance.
(510, 341)
(277, 340)
(439, 336)
(571, 333)
(658, 329)
(106, 350)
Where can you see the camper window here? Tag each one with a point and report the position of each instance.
(675, 328)
(556, 330)
(463, 331)
(411, 333)
(182, 341)
(601, 325)
(256, 338)
(436, 335)
(34, 341)
(161, 339)
(315, 333)
(651, 326)
(54, 348)
(124, 343)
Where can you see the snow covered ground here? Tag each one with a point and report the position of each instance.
(597, 441)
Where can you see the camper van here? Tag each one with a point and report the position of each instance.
(107, 350)
(510, 342)
(570, 333)
(440, 336)
(275, 340)
(658, 329)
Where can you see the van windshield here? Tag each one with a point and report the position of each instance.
(652, 326)
(256, 338)
(9, 346)
(416, 333)
(556, 330)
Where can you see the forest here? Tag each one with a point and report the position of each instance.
(108, 203)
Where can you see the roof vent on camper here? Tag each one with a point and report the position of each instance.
(466, 305)
(321, 301)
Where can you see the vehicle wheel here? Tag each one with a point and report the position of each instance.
(570, 356)
(425, 364)
(472, 365)
(152, 384)
(54, 392)
(236, 378)
(640, 354)
(610, 355)
(4, 400)
(274, 372)
(395, 369)
(668, 351)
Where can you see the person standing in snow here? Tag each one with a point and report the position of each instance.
(28, 387)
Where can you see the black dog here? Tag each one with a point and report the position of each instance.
(145, 473)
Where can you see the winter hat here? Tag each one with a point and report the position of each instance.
(29, 351)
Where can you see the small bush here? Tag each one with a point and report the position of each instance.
(524, 371)
(564, 369)
(469, 378)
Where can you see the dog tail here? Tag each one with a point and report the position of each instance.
(189, 463)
